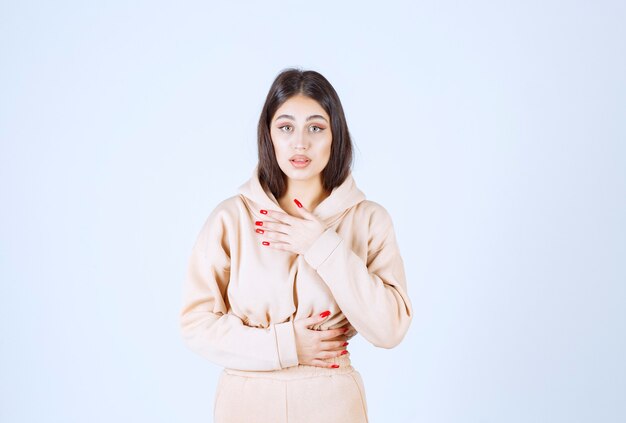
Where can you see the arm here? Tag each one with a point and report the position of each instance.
(207, 327)
(373, 295)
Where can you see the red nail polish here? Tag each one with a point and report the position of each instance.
(334, 366)
(266, 243)
(260, 231)
(344, 352)
(264, 211)
(344, 344)
(258, 223)
(299, 204)
(325, 314)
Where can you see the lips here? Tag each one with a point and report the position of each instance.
(299, 158)
(299, 161)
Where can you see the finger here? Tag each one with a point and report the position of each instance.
(341, 337)
(276, 237)
(338, 352)
(329, 354)
(351, 331)
(317, 318)
(321, 363)
(273, 226)
(304, 211)
(282, 217)
(283, 246)
(331, 333)
(334, 345)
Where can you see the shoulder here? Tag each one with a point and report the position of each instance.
(378, 223)
(226, 212)
(374, 214)
(220, 224)
(230, 205)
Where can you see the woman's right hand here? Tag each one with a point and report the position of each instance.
(314, 346)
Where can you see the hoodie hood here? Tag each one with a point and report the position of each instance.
(341, 199)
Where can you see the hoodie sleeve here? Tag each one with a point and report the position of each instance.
(209, 329)
(372, 294)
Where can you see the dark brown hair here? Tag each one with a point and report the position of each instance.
(312, 84)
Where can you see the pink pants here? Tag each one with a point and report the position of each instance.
(298, 394)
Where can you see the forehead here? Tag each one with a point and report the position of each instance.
(300, 107)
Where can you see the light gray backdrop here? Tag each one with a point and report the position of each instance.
(493, 132)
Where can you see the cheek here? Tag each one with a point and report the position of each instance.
(281, 154)
(327, 146)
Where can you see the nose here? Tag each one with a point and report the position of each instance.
(300, 141)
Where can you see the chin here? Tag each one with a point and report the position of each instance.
(300, 174)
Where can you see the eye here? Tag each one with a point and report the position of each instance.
(319, 129)
(284, 126)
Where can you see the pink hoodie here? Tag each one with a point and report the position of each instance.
(240, 297)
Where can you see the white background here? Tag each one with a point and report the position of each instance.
(493, 132)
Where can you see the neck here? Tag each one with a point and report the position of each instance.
(309, 192)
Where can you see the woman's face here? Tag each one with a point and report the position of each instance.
(301, 127)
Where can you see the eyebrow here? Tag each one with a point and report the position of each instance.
(307, 119)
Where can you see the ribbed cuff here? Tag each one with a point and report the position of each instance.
(286, 343)
(323, 247)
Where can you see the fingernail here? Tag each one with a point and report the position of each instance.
(344, 344)
(264, 211)
(299, 204)
(334, 366)
(260, 231)
(344, 352)
(325, 313)
(258, 223)
(266, 243)
(345, 330)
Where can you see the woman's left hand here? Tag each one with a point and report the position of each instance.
(290, 233)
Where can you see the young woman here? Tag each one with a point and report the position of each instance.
(286, 271)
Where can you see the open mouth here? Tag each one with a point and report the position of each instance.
(300, 163)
